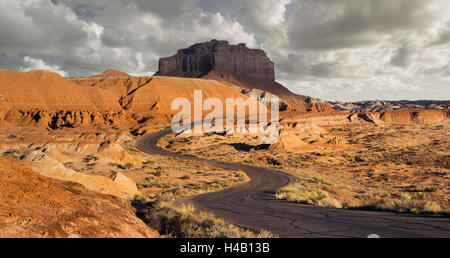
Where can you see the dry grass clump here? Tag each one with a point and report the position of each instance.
(13, 153)
(406, 203)
(311, 192)
(183, 221)
(433, 207)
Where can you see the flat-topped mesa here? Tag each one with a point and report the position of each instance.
(225, 60)
(236, 64)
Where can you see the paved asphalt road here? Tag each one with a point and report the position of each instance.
(254, 206)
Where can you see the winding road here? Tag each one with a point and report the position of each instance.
(254, 206)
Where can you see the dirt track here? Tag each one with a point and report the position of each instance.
(254, 206)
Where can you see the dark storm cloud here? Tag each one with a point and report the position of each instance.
(37, 27)
(443, 36)
(403, 56)
(325, 24)
(324, 48)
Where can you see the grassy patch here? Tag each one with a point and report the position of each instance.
(127, 166)
(247, 161)
(314, 191)
(431, 189)
(139, 198)
(183, 221)
(13, 153)
(90, 158)
(405, 203)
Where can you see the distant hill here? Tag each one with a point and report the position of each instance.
(383, 105)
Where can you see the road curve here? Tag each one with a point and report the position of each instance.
(254, 206)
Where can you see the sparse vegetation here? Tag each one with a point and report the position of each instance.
(148, 162)
(127, 166)
(13, 153)
(185, 177)
(248, 161)
(90, 158)
(183, 221)
(139, 198)
(216, 185)
(376, 167)
(300, 193)
(431, 189)
(433, 207)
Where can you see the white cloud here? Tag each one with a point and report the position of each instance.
(86, 37)
(365, 49)
(38, 64)
(347, 49)
(263, 16)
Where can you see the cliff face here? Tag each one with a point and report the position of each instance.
(236, 64)
(201, 59)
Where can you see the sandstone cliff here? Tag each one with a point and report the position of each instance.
(238, 65)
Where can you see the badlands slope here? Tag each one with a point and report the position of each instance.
(83, 130)
(36, 206)
(41, 98)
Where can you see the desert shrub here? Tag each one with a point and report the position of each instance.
(331, 203)
(314, 192)
(216, 184)
(359, 159)
(12, 136)
(319, 179)
(185, 177)
(431, 189)
(304, 183)
(432, 207)
(90, 157)
(294, 192)
(420, 195)
(349, 157)
(126, 166)
(183, 221)
(274, 162)
(241, 175)
(13, 153)
(139, 198)
(404, 203)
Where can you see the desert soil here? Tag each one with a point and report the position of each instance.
(390, 166)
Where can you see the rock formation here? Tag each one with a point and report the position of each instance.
(235, 64)
(32, 205)
(226, 60)
(290, 142)
(383, 106)
(45, 99)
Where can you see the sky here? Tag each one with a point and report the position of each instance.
(345, 50)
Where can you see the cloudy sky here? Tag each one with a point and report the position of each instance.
(331, 49)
